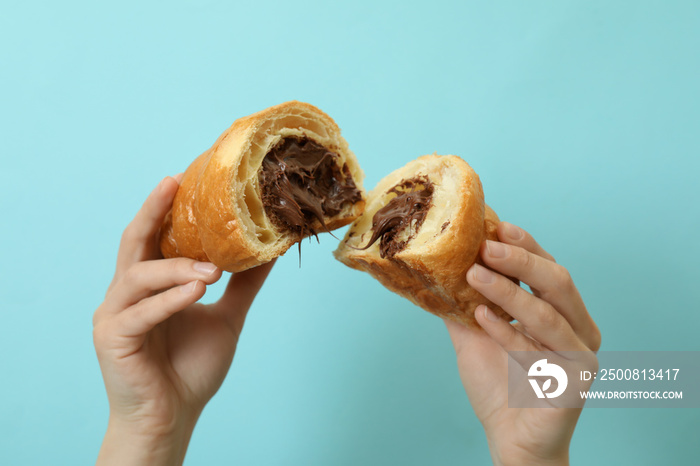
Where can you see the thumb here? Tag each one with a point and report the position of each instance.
(240, 292)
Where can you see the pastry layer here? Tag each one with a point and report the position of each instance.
(434, 214)
(224, 213)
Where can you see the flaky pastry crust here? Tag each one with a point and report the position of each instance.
(218, 214)
(431, 270)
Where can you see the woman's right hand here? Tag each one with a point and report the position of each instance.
(163, 355)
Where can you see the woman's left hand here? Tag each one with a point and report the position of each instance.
(551, 318)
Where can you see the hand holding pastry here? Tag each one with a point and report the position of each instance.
(162, 355)
(552, 317)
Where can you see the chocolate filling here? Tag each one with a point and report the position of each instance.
(407, 210)
(301, 182)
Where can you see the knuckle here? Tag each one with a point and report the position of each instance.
(562, 278)
(509, 290)
(596, 339)
(562, 275)
(181, 266)
(99, 335)
(168, 297)
(96, 317)
(143, 310)
(510, 338)
(133, 275)
(174, 267)
(168, 302)
(589, 361)
(525, 259)
(544, 316)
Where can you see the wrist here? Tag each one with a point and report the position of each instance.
(529, 461)
(146, 442)
(515, 455)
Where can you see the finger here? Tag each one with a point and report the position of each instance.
(538, 317)
(516, 236)
(504, 333)
(240, 293)
(511, 234)
(144, 278)
(475, 349)
(549, 281)
(142, 317)
(138, 241)
(461, 334)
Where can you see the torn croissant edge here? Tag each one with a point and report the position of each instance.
(420, 232)
(270, 180)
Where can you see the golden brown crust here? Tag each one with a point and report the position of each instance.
(179, 234)
(431, 270)
(217, 213)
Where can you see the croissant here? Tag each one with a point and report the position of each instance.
(270, 180)
(421, 231)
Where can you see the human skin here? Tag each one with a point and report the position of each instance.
(162, 354)
(551, 318)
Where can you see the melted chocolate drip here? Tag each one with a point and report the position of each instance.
(301, 182)
(408, 208)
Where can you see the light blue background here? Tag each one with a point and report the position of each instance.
(582, 118)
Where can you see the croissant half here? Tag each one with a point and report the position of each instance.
(269, 180)
(421, 231)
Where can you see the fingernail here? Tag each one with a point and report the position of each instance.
(206, 268)
(189, 288)
(496, 249)
(488, 313)
(512, 231)
(482, 274)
